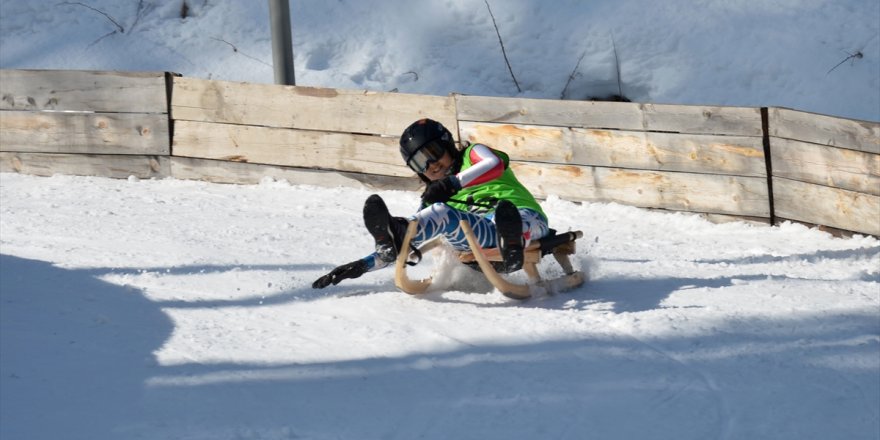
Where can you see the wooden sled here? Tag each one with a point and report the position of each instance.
(560, 245)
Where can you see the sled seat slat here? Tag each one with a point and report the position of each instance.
(557, 244)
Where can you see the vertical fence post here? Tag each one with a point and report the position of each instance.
(765, 129)
(169, 89)
(282, 44)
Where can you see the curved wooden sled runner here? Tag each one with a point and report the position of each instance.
(560, 245)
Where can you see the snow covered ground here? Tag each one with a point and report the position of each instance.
(166, 309)
(163, 309)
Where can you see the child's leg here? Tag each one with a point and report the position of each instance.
(439, 219)
(534, 226)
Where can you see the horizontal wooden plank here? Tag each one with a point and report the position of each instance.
(80, 90)
(306, 108)
(704, 193)
(281, 146)
(728, 155)
(829, 166)
(94, 133)
(247, 173)
(824, 130)
(822, 205)
(102, 165)
(738, 121)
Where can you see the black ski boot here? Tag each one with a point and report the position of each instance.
(508, 224)
(386, 230)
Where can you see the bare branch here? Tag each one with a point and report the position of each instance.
(503, 52)
(235, 49)
(572, 75)
(617, 67)
(852, 56)
(101, 38)
(138, 14)
(121, 29)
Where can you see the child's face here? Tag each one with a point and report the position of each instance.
(439, 169)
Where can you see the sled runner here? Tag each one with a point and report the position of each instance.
(560, 245)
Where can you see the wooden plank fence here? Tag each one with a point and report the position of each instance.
(765, 164)
(826, 170)
(351, 131)
(84, 122)
(685, 158)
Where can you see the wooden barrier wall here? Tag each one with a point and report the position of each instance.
(683, 158)
(351, 131)
(111, 124)
(718, 161)
(826, 170)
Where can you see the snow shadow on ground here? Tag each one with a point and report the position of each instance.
(639, 295)
(74, 351)
(616, 387)
(77, 359)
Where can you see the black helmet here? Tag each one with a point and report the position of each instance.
(425, 142)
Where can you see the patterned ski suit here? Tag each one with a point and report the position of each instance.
(485, 178)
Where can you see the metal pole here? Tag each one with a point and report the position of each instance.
(282, 44)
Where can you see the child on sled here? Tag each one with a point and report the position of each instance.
(474, 184)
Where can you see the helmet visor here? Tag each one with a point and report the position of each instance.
(427, 154)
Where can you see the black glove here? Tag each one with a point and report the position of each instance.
(350, 270)
(440, 190)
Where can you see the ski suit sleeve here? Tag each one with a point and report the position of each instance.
(487, 166)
